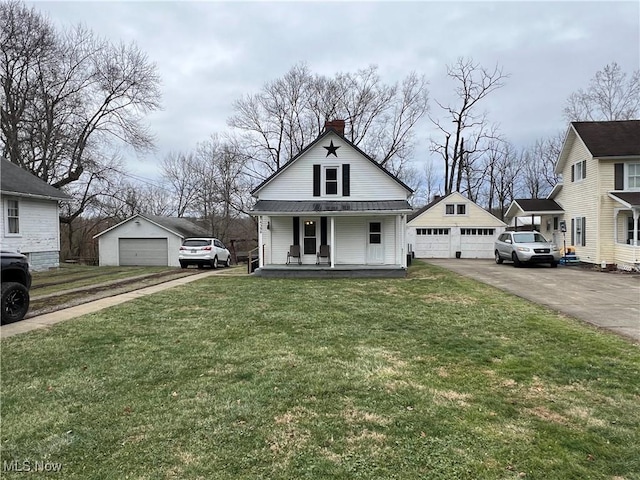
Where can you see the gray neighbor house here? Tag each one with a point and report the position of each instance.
(30, 220)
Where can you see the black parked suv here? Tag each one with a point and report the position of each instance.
(16, 281)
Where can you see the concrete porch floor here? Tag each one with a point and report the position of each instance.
(294, 270)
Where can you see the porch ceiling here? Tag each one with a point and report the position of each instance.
(275, 207)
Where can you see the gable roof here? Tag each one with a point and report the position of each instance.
(180, 227)
(532, 206)
(610, 139)
(328, 131)
(456, 197)
(21, 183)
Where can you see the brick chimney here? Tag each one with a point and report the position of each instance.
(335, 125)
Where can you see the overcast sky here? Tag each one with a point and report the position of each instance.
(212, 53)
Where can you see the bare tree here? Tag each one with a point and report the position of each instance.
(288, 113)
(611, 95)
(70, 98)
(466, 130)
(502, 166)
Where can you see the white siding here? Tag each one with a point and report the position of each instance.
(108, 242)
(39, 235)
(368, 182)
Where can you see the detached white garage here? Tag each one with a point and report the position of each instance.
(453, 225)
(147, 240)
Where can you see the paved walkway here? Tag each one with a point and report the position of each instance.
(48, 319)
(608, 300)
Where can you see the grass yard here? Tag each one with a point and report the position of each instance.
(434, 376)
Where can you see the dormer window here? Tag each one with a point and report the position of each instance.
(331, 180)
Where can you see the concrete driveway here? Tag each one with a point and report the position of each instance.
(608, 300)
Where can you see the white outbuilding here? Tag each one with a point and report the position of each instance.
(146, 240)
(453, 226)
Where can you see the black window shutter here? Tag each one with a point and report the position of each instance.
(584, 231)
(346, 180)
(584, 169)
(573, 173)
(296, 230)
(323, 231)
(573, 231)
(619, 176)
(316, 180)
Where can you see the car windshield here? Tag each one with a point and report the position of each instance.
(196, 243)
(529, 237)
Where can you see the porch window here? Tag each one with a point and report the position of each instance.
(630, 229)
(633, 175)
(375, 233)
(13, 217)
(331, 180)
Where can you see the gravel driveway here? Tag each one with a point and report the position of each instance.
(608, 300)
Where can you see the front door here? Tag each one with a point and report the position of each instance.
(375, 247)
(309, 240)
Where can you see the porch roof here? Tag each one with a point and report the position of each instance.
(275, 207)
(629, 199)
(533, 206)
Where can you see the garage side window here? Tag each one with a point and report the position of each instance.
(477, 231)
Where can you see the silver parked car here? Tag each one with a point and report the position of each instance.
(526, 247)
(203, 251)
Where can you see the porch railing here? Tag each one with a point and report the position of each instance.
(253, 260)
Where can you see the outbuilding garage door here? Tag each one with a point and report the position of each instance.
(477, 242)
(143, 251)
(433, 243)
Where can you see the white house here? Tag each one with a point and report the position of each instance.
(30, 220)
(452, 226)
(146, 240)
(333, 199)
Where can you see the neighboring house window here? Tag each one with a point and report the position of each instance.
(579, 231)
(461, 209)
(555, 223)
(331, 180)
(13, 217)
(450, 209)
(630, 229)
(477, 231)
(633, 175)
(579, 171)
(421, 231)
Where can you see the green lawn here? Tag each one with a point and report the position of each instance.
(433, 376)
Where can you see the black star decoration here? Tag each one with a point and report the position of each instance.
(331, 149)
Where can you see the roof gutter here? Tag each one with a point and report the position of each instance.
(66, 198)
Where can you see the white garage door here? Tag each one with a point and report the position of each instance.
(143, 251)
(433, 243)
(477, 242)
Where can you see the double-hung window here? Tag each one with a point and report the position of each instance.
(579, 171)
(633, 176)
(331, 181)
(13, 216)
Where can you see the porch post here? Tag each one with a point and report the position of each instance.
(615, 226)
(260, 242)
(332, 251)
(636, 215)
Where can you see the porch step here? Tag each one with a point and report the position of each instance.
(330, 273)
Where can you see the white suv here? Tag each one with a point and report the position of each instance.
(203, 251)
(526, 247)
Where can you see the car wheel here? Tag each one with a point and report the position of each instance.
(15, 301)
(214, 262)
(200, 266)
(516, 260)
(554, 264)
(498, 258)
(227, 262)
(183, 265)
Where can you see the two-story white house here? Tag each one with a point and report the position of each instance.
(30, 221)
(332, 210)
(599, 196)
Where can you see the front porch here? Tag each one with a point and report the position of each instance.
(327, 271)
